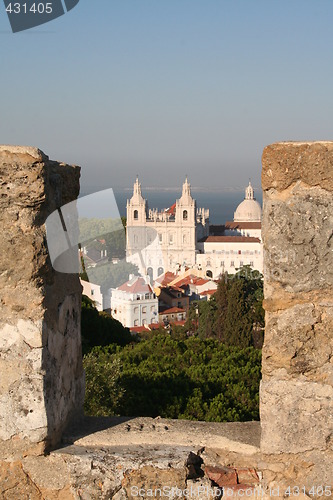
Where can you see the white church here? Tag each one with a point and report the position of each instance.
(180, 236)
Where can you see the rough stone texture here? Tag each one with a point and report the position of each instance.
(41, 382)
(104, 458)
(297, 387)
(285, 163)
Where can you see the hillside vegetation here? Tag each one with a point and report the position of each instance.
(208, 370)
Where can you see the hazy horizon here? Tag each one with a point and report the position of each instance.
(91, 188)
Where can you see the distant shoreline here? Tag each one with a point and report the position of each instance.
(195, 189)
(221, 204)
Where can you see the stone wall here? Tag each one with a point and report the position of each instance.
(41, 374)
(296, 397)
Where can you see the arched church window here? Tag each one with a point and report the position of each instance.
(184, 214)
(136, 215)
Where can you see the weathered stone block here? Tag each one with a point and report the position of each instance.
(299, 343)
(296, 395)
(40, 347)
(298, 238)
(296, 416)
(284, 163)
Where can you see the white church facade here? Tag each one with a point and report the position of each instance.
(180, 236)
(159, 241)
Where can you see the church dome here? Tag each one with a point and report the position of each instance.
(249, 210)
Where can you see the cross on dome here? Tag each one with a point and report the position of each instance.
(249, 194)
(186, 188)
(137, 187)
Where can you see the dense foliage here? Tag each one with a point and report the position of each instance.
(103, 391)
(183, 377)
(100, 329)
(208, 370)
(234, 315)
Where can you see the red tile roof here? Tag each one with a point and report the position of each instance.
(192, 279)
(136, 285)
(145, 328)
(139, 329)
(230, 239)
(173, 310)
(171, 210)
(208, 292)
(166, 278)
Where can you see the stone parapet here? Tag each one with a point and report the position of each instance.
(296, 396)
(41, 381)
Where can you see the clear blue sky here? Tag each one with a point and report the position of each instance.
(168, 87)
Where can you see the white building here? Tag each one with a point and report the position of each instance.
(134, 303)
(160, 241)
(93, 292)
(180, 236)
(235, 244)
(220, 254)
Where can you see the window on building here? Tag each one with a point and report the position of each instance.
(179, 305)
(136, 322)
(147, 296)
(152, 308)
(136, 215)
(232, 263)
(160, 237)
(170, 238)
(184, 238)
(240, 263)
(136, 310)
(185, 214)
(251, 263)
(144, 310)
(222, 263)
(239, 252)
(92, 292)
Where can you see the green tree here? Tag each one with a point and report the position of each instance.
(237, 323)
(185, 377)
(103, 389)
(221, 300)
(100, 329)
